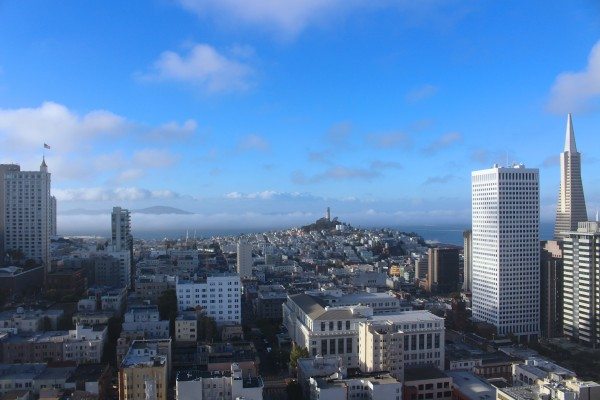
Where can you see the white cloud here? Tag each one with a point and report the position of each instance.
(253, 143)
(268, 195)
(443, 142)
(130, 174)
(578, 91)
(421, 93)
(336, 173)
(173, 131)
(389, 140)
(288, 17)
(205, 67)
(153, 158)
(111, 194)
(56, 125)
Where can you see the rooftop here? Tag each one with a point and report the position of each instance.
(522, 392)
(408, 316)
(472, 386)
(423, 373)
(88, 372)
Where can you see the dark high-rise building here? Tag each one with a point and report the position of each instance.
(443, 271)
(570, 208)
(551, 289)
(467, 260)
(4, 168)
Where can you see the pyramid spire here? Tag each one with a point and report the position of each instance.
(570, 136)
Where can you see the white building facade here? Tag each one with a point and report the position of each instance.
(335, 330)
(244, 259)
(27, 209)
(219, 295)
(204, 385)
(581, 284)
(506, 254)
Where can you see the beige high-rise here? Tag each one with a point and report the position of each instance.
(26, 205)
(570, 208)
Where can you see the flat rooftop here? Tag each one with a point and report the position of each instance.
(408, 316)
(522, 392)
(472, 386)
(423, 373)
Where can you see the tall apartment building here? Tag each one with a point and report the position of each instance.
(551, 289)
(219, 295)
(581, 286)
(4, 168)
(467, 260)
(380, 348)
(506, 253)
(244, 259)
(27, 213)
(125, 273)
(121, 229)
(52, 216)
(570, 208)
(122, 243)
(442, 272)
(421, 267)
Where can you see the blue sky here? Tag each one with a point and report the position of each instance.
(262, 113)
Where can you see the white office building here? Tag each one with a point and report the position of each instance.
(377, 387)
(506, 250)
(27, 213)
(335, 330)
(224, 385)
(244, 259)
(219, 295)
(581, 284)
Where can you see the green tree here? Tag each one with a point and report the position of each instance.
(296, 353)
(207, 329)
(167, 308)
(46, 324)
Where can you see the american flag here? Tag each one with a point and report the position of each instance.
(46, 146)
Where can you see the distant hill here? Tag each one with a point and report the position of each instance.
(322, 224)
(157, 210)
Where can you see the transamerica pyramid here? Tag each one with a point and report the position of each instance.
(570, 208)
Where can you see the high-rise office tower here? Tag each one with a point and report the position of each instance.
(328, 214)
(581, 284)
(244, 259)
(442, 274)
(467, 260)
(27, 213)
(506, 252)
(551, 288)
(570, 208)
(4, 168)
(52, 216)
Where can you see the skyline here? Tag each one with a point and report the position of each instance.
(259, 126)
